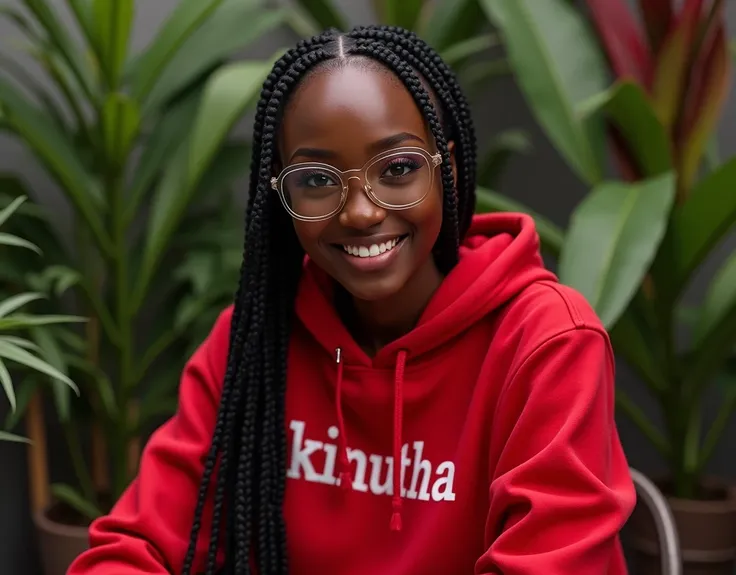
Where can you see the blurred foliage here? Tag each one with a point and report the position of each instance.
(651, 92)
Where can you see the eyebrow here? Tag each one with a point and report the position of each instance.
(375, 147)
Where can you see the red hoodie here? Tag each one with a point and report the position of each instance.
(499, 404)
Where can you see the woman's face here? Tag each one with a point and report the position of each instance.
(345, 118)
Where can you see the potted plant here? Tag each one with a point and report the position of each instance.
(636, 240)
(138, 145)
(18, 352)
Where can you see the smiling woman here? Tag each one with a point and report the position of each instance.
(400, 387)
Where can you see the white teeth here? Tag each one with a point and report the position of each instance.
(372, 250)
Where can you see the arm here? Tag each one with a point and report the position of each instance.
(561, 490)
(148, 529)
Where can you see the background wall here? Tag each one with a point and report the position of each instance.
(541, 180)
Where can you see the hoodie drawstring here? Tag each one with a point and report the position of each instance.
(343, 463)
(398, 415)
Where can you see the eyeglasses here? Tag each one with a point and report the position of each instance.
(396, 180)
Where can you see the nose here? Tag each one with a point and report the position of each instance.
(359, 211)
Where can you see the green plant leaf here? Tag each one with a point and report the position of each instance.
(184, 20)
(15, 241)
(19, 321)
(16, 302)
(23, 394)
(550, 235)
(49, 350)
(62, 44)
(458, 52)
(556, 74)
(696, 227)
(113, 21)
(613, 237)
(9, 210)
(7, 385)
(159, 149)
(5, 436)
(628, 108)
(227, 95)
(451, 22)
(235, 25)
(324, 13)
(715, 331)
(58, 154)
(503, 147)
(19, 355)
(120, 124)
(405, 13)
(75, 500)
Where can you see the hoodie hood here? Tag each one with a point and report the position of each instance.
(499, 258)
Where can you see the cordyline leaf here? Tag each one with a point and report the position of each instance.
(613, 237)
(671, 71)
(556, 75)
(695, 228)
(622, 39)
(707, 97)
(640, 133)
(657, 15)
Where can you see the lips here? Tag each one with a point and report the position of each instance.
(372, 253)
(371, 250)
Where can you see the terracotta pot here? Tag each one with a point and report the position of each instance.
(707, 531)
(59, 544)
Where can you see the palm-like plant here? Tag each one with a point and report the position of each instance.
(137, 143)
(17, 349)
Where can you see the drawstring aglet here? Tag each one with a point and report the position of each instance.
(396, 515)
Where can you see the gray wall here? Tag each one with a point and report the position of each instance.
(541, 180)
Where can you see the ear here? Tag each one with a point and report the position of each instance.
(453, 163)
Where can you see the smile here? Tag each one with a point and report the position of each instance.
(372, 257)
(373, 250)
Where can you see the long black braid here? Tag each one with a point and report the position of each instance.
(249, 449)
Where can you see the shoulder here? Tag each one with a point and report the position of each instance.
(546, 311)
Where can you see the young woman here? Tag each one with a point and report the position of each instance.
(416, 396)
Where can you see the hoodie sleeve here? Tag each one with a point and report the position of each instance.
(561, 489)
(148, 529)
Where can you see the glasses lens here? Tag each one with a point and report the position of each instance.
(400, 179)
(312, 191)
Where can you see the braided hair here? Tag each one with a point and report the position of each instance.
(248, 450)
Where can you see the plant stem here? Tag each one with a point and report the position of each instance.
(80, 467)
(638, 418)
(124, 323)
(726, 409)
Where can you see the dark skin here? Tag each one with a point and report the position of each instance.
(344, 118)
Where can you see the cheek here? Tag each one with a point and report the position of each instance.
(308, 234)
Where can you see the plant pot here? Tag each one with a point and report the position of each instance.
(60, 542)
(707, 531)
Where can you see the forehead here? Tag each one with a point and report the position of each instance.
(346, 111)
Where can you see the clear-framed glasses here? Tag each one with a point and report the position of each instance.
(396, 180)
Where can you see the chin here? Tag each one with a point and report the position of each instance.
(373, 290)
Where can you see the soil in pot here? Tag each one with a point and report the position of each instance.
(707, 530)
(62, 537)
